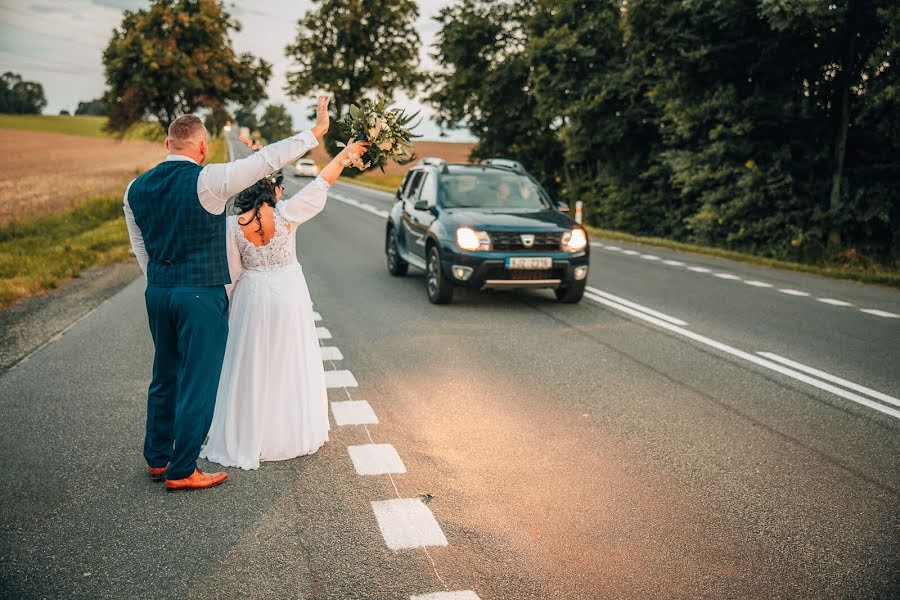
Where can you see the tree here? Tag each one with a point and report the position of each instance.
(18, 96)
(174, 58)
(276, 123)
(484, 85)
(64, 113)
(92, 107)
(351, 48)
(215, 120)
(246, 117)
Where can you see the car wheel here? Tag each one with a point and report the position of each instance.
(440, 291)
(395, 263)
(571, 294)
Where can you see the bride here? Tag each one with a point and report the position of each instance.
(272, 403)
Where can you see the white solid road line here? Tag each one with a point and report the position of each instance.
(331, 353)
(833, 378)
(466, 595)
(791, 292)
(407, 523)
(323, 333)
(880, 313)
(353, 412)
(592, 291)
(376, 459)
(366, 207)
(340, 379)
(833, 302)
(752, 358)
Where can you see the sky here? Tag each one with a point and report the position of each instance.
(59, 43)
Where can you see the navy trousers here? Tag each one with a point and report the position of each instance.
(189, 326)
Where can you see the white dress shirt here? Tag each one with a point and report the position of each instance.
(220, 181)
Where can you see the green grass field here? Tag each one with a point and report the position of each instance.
(39, 254)
(80, 125)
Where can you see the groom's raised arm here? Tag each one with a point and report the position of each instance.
(220, 181)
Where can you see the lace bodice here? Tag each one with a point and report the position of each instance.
(279, 253)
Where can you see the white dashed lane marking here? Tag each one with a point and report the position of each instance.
(340, 379)
(323, 333)
(833, 302)
(466, 595)
(880, 313)
(316, 316)
(407, 523)
(331, 353)
(376, 459)
(353, 412)
(752, 282)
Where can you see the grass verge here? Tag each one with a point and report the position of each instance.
(870, 275)
(377, 181)
(39, 254)
(218, 151)
(83, 125)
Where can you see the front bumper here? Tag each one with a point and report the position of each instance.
(489, 269)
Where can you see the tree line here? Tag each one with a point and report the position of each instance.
(768, 126)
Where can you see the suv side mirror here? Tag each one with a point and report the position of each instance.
(562, 206)
(421, 205)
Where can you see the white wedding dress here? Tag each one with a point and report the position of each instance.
(272, 403)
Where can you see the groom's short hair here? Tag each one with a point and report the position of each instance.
(185, 129)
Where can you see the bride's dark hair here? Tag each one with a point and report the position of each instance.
(261, 192)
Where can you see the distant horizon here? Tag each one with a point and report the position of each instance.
(35, 36)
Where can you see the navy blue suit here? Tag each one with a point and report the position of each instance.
(187, 309)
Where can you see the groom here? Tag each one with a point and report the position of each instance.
(175, 214)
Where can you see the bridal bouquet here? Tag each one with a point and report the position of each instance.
(386, 128)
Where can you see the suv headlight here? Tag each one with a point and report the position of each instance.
(574, 240)
(469, 239)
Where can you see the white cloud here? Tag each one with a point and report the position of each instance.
(60, 42)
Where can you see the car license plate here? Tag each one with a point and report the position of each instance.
(529, 262)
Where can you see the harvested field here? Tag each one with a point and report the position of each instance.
(44, 173)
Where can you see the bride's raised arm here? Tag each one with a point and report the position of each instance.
(310, 200)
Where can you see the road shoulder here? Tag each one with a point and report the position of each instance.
(28, 325)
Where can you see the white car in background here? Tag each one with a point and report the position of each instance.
(306, 168)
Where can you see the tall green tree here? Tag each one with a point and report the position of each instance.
(484, 84)
(176, 57)
(215, 120)
(246, 117)
(276, 123)
(92, 107)
(19, 96)
(354, 48)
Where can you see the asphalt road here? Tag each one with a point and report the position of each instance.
(587, 451)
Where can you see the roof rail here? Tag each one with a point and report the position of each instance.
(504, 163)
(434, 161)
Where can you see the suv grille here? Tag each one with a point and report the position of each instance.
(512, 240)
(523, 274)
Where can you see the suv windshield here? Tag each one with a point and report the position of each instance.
(491, 190)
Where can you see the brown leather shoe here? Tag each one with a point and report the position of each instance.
(157, 473)
(198, 480)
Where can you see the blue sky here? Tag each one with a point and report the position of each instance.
(59, 43)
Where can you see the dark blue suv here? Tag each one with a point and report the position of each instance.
(484, 225)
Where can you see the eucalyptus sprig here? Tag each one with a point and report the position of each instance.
(388, 129)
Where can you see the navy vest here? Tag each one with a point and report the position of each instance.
(186, 244)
